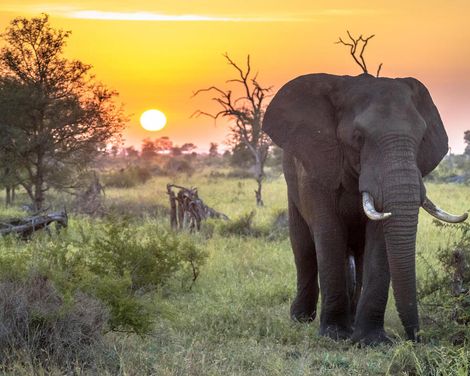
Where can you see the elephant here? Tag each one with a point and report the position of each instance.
(355, 151)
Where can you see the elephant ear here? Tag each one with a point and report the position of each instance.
(434, 145)
(301, 119)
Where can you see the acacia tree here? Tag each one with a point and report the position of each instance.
(54, 117)
(246, 113)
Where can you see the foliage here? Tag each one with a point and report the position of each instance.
(66, 117)
(467, 141)
(452, 169)
(178, 166)
(127, 177)
(241, 157)
(446, 287)
(38, 321)
(242, 226)
(213, 150)
(235, 319)
(113, 262)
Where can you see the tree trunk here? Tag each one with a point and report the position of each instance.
(258, 192)
(38, 199)
(7, 195)
(402, 197)
(13, 194)
(259, 176)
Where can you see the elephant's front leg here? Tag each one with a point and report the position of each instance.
(369, 323)
(330, 237)
(304, 306)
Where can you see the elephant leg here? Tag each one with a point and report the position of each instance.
(335, 318)
(304, 306)
(369, 323)
(355, 280)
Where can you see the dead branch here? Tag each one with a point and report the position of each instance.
(354, 45)
(378, 70)
(246, 112)
(24, 227)
(90, 199)
(187, 210)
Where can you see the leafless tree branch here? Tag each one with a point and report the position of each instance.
(354, 45)
(246, 112)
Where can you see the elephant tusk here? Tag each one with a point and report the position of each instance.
(438, 213)
(369, 208)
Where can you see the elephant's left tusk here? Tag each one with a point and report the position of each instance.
(438, 213)
(369, 208)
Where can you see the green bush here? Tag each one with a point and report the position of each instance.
(127, 177)
(239, 173)
(178, 166)
(242, 226)
(38, 323)
(444, 292)
(118, 262)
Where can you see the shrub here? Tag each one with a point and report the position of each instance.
(242, 226)
(279, 228)
(127, 177)
(178, 166)
(37, 322)
(240, 173)
(125, 262)
(116, 261)
(445, 289)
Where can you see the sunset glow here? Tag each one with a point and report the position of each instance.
(162, 52)
(153, 120)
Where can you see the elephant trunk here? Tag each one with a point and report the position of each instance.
(402, 197)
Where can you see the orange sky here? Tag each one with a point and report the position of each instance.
(156, 53)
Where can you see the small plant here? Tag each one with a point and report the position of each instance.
(37, 321)
(445, 292)
(242, 226)
(116, 261)
(128, 177)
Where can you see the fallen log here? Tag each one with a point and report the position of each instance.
(187, 210)
(24, 227)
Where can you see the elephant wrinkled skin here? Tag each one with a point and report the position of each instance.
(350, 141)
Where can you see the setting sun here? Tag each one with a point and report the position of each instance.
(153, 120)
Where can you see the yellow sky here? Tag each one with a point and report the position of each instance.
(157, 53)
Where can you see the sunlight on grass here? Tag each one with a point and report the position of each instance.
(235, 319)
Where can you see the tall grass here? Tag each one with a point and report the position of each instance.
(235, 321)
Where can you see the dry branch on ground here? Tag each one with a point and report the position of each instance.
(24, 227)
(187, 210)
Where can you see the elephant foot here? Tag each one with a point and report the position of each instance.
(371, 338)
(335, 332)
(303, 312)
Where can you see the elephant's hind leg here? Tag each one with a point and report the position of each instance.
(304, 306)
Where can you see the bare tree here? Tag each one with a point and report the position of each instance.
(354, 45)
(246, 112)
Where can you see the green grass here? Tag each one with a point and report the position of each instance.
(235, 319)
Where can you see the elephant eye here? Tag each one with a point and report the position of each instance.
(358, 138)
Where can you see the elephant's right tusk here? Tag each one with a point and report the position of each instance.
(369, 208)
(438, 213)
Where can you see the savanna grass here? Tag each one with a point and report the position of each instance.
(234, 320)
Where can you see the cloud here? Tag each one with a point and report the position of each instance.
(152, 16)
(68, 11)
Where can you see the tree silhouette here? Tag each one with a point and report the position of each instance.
(246, 113)
(354, 45)
(466, 138)
(55, 118)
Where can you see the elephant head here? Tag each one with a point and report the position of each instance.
(377, 136)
